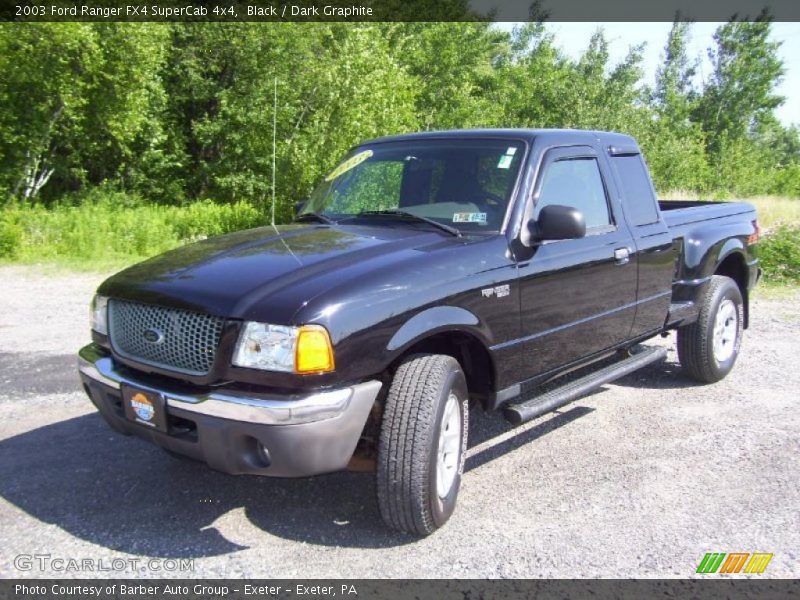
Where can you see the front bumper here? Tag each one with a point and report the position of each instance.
(274, 435)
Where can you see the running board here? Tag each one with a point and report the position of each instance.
(549, 401)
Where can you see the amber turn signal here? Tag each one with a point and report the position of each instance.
(314, 351)
(753, 237)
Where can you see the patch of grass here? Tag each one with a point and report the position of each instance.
(773, 211)
(109, 232)
(781, 290)
(779, 249)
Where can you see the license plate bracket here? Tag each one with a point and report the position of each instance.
(145, 407)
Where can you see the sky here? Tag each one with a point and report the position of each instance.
(573, 38)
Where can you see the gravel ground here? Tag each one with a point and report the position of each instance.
(637, 480)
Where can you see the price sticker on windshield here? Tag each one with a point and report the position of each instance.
(350, 163)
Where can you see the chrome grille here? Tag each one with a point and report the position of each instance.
(179, 340)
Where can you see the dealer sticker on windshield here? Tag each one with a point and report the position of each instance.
(350, 163)
(505, 161)
(469, 217)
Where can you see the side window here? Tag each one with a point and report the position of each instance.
(640, 201)
(576, 182)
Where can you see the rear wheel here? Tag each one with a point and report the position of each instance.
(708, 348)
(422, 444)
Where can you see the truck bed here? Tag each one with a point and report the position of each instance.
(685, 212)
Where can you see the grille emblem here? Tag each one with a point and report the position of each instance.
(153, 336)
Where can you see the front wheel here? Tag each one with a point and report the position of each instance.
(422, 444)
(707, 349)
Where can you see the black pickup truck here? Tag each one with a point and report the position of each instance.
(428, 275)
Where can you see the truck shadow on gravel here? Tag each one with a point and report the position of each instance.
(487, 426)
(126, 495)
(665, 375)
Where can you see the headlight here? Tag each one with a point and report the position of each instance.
(100, 314)
(305, 349)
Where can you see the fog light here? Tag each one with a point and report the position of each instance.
(263, 454)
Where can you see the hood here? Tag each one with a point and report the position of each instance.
(230, 274)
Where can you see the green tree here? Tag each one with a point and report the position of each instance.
(674, 96)
(740, 92)
(605, 96)
(359, 90)
(78, 103)
(535, 79)
(337, 84)
(453, 70)
(181, 112)
(123, 129)
(43, 92)
(675, 144)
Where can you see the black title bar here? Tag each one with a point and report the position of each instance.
(393, 10)
(397, 589)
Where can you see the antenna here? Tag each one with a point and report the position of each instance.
(274, 134)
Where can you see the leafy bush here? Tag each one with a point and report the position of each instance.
(207, 218)
(779, 253)
(10, 237)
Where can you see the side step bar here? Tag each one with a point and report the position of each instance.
(549, 401)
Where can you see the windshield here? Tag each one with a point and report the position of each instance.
(465, 184)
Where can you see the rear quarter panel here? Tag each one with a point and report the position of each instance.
(703, 237)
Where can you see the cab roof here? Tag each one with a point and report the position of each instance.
(554, 136)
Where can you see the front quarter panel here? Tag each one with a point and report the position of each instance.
(375, 317)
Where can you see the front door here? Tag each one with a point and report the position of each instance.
(577, 296)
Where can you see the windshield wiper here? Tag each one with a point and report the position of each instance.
(313, 215)
(408, 215)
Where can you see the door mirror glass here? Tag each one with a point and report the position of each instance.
(298, 206)
(557, 222)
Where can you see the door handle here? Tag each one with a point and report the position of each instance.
(622, 256)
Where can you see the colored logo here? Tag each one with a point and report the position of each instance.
(153, 336)
(735, 562)
(142, 406)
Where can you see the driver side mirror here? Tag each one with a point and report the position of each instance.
(298, 206)
(557, 222)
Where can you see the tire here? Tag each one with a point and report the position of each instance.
(721, 318)
(412, 482)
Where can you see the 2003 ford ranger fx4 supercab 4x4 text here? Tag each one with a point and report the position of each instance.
(427, 275)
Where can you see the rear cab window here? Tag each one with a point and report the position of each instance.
(639, 199)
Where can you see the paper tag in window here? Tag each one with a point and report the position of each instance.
(351, 162)
(505, 161)
(467, 217)
(511, 150)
